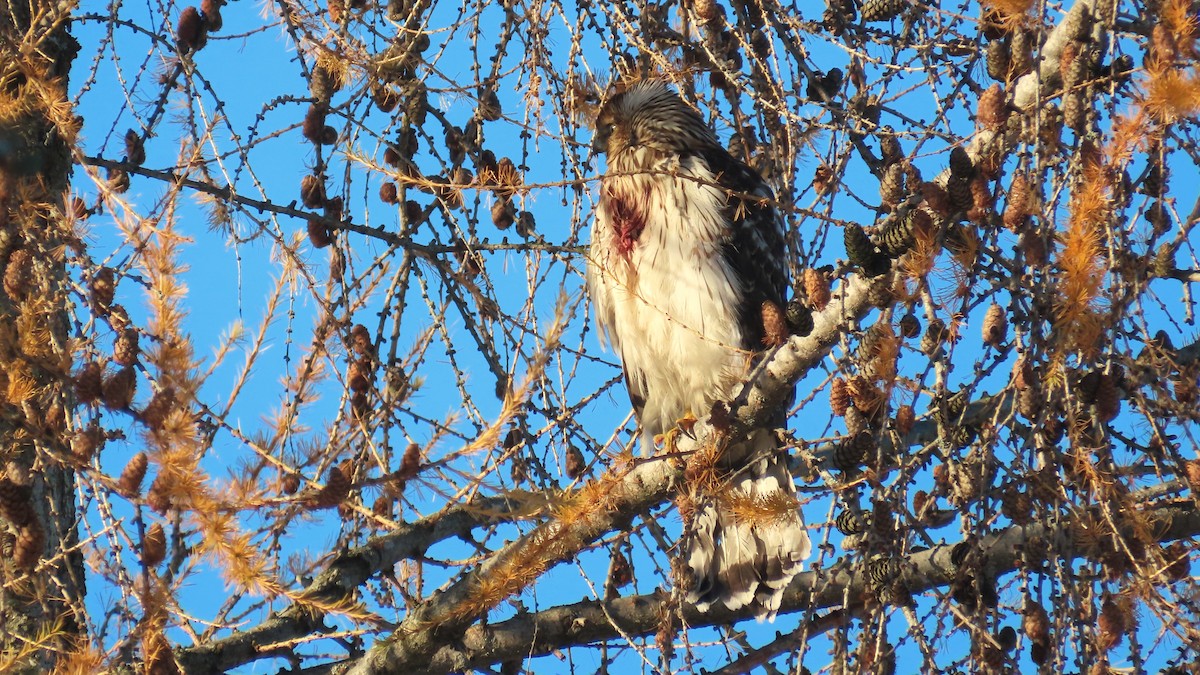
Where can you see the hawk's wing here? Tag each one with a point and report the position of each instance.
(637, 392)
(756, 249)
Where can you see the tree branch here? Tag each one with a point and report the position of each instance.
(540, 633)
(338, 581)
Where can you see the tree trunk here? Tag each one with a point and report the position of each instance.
(42, 570)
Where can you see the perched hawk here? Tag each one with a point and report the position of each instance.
(686, 251)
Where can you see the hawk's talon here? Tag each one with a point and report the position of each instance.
(686, 423)
(665, 442)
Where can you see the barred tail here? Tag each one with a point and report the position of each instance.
(742, 559)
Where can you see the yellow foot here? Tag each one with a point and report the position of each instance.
(667, 440)
(686, 423)
(683, 426)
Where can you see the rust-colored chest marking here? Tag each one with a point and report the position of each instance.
(627, 217)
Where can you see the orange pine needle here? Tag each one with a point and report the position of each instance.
(1172, 94)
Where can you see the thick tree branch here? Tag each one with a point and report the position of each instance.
(589, 621)
(1031, 89)
(338, 581)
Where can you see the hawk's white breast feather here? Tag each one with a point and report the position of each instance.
(669, 304)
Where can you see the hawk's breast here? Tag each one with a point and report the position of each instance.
(664, 294)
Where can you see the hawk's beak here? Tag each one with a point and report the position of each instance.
(600, 141)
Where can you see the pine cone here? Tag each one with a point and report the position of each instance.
(119, 388)
(489, 108)
(360, 340)
(574, 464)
(89, 382)
(865, 395)
(936, 198)
(816, 288)
(27, 550)
(382, 507)
(85, 443)
(799, 318)
(130, 482)
(318, 234)
(1032, 247)
(410, 463)
(1021, 54)
(518, 469)
(125, 348)
(389, 193)
(189, 31)
(289, 484)
(856, 421)
(1019, 204)
(992, 113)
(455, 146)
(504, 214)
(103, 287)
(1107, 398)
(526, 225)
(1114, 621)
(882, 10)
(862, 253)
(959, 191)
(313, 127)
(995, 326)
(890, 151)
(998, 57)
(850, 523)
(891, 185)
(154, 545)
(18, 274)
(320, 84)
(899, 233)
(1016, 505)
(935, 335)
(160, 407)
(775, 325)
(135, 149)
(905, 417)
(1076, 64)
(1036, 623)
(1178, 561)
(839, 396)
(336, 489)
(852, 451)
(383, 96)
(358, 379)
(118, 180)
(1075, 111)
(620, 571)
(15, 502)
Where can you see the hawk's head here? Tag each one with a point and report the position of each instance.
(649, 115)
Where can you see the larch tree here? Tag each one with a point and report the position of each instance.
(297, 370)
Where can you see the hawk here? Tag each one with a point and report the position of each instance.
(687, 255)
